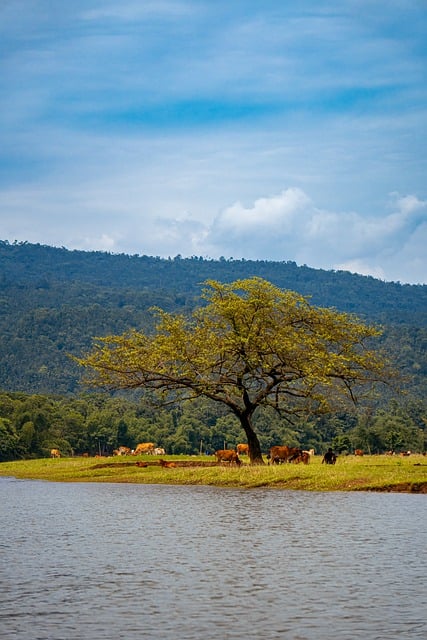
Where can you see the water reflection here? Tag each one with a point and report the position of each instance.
(96, 561)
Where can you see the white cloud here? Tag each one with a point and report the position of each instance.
(265, 215)
(289, 227)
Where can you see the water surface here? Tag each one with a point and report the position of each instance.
(98, 561)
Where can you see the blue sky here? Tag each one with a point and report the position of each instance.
(272, 130)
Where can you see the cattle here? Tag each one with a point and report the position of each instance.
(242, 449)
(359, 452)
(329, 457)
(159, 451)
(55, 453)
(303, 457)
(284, 453)
(228, 455)
(166, 464)
(122, 451)
(144, 448)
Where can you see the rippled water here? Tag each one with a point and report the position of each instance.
(101, 561)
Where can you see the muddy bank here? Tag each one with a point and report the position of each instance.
(402, 487)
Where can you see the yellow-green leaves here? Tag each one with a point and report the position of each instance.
(250, 344)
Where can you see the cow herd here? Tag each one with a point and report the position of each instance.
(276, 455)
(143, 448)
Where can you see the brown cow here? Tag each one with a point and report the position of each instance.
(358, 452)
(167, 464)
(284, 453)
(122, 451)
(242, 449)
(303, 457)
(144, 447)
(55, 453)
(228, 455)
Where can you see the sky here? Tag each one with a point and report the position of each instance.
(274, 130)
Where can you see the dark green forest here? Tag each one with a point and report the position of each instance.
(54, 301)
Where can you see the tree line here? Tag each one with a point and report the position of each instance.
(96, 424)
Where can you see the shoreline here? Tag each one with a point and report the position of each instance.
(351, 473)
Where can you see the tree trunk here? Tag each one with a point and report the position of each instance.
(255, 455)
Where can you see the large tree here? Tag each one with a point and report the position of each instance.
(249, 345)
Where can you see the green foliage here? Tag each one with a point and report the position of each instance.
(251, 346)
(73, 426)
(9, 441)
(53, 301)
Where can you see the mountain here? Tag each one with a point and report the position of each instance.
(53, 301)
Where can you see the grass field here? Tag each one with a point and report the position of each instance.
(367, 473)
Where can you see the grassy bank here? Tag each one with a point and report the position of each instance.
(370, 473)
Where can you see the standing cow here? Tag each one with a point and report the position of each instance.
(228, 455)
(122, 451)
(303, 457)
(284, 453)
(242, 449)
(55, 453)
(144, 448)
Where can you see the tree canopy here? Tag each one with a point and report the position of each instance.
(249, 345)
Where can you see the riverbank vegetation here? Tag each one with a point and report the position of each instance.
(350, 473)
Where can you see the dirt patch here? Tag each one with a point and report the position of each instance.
(155, 463)
(402, 487)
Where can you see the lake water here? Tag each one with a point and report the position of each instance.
(114, 561)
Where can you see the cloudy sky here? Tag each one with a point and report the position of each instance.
(275, 130)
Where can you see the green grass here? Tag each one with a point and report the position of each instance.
(370, 473)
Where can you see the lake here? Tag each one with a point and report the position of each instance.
(87, 561)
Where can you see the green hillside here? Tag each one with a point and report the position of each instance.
(53, 301)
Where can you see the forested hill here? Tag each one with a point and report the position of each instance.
(53, 301)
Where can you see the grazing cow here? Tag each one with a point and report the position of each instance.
(329, 457)
(55, 453)
(242, 449)
(122, 451)
(165, 464)
(280, 454)
(144, 447)
(359, 452)
(228, 455)
(159, 451)
(303, 457)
